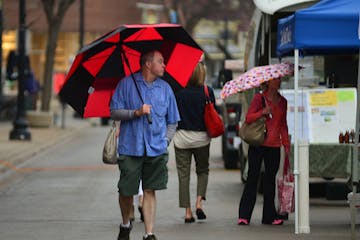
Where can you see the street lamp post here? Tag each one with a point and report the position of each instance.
(81, 23)
(20, 131)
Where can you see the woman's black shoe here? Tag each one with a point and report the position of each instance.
(189, 220)
(200, 214)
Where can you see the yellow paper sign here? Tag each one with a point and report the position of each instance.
(323, 98)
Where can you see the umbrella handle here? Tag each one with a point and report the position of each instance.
(148, 117)
(137, 87)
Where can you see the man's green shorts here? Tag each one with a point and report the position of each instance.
(151, 170)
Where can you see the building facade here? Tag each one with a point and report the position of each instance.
(99, 18)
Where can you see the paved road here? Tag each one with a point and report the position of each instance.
(66, 193)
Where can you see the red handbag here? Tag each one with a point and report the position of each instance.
(213, 122)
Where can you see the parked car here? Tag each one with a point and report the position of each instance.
(230, 110)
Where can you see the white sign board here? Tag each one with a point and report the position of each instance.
(331, 111)
(322, 113)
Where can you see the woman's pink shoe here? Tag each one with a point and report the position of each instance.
(277, 222)
(243, 221)
(274, 222)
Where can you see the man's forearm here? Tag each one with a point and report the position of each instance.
(170, 132)
(122, 114)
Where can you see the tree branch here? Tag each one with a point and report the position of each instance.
(63, 7)
(48, 9)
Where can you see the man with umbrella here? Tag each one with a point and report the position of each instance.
(143, 102)
(143, 142)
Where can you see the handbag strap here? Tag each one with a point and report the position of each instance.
(264, 103)
(286, 165)
(207, 96)
(206, 90)
(263, 100)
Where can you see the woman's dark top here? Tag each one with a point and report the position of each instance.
(191, 104)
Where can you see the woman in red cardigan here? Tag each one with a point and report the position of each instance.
(277, 135)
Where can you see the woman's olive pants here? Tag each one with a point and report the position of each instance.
(183, 165)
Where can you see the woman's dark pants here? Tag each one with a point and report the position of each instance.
(271, 156)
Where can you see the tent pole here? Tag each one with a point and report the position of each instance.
(355, 163)
(296, 143)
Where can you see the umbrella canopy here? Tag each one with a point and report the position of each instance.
(99, 66)
(255, 77)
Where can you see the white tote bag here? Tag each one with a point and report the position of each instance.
(110, 146)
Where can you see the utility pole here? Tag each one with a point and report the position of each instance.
(20, 131)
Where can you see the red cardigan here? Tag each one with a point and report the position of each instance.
(277, 129)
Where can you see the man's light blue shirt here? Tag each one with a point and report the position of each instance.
(138, 137)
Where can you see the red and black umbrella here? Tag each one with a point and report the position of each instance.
(99, 66)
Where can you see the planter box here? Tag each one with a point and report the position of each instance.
(40, 119)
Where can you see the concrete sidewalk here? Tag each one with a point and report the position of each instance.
(329, 220)
(15, 152)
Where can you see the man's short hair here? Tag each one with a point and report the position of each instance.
(147, 56)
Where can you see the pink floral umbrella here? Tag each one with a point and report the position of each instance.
(255, 77)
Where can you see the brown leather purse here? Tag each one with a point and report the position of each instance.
(255, 132)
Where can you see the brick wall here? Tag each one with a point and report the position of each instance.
(100, 15)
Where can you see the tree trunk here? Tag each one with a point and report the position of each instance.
(49, 66)
(54, 12)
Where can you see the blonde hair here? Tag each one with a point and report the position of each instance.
(198, 76)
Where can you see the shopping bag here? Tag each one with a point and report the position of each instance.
(286, 189)
(110, 147)
(213, 122)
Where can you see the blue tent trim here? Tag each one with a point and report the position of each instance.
(334, 29)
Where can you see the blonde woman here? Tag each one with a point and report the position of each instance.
(191, 139)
